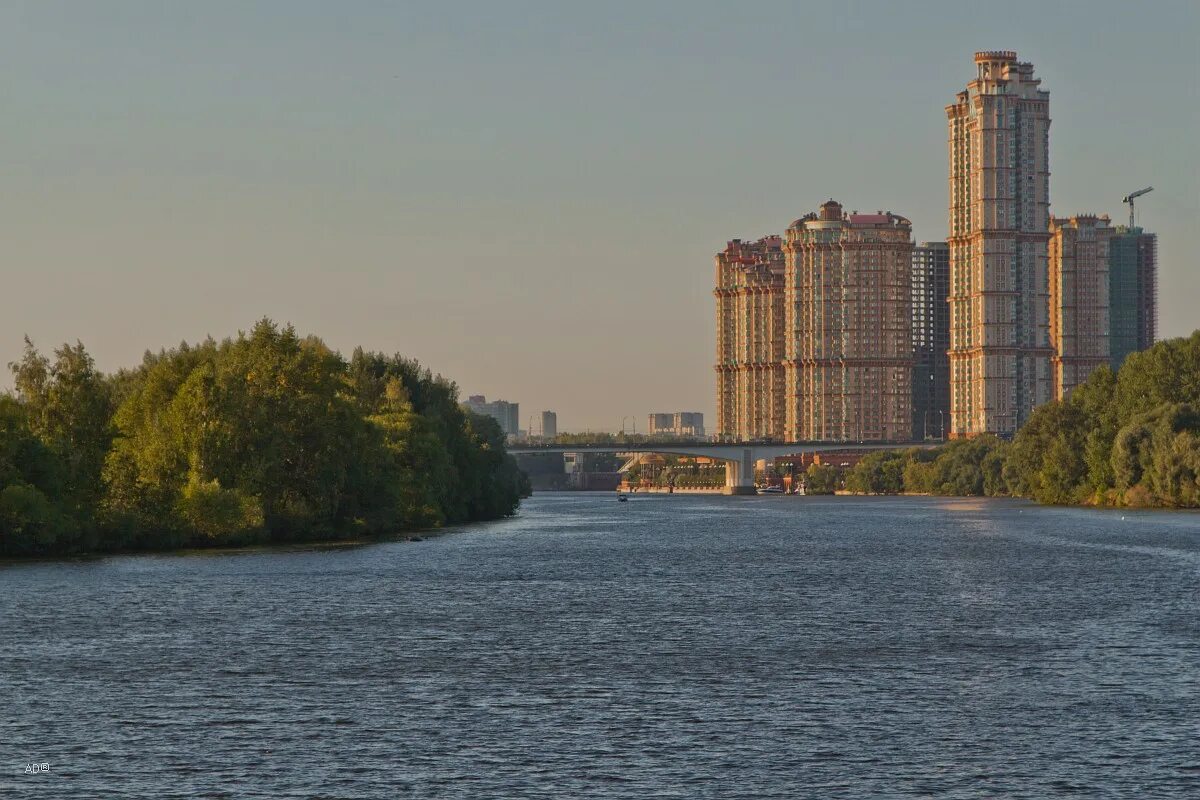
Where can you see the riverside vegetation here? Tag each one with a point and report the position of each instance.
(1130, 438)
(265, 437)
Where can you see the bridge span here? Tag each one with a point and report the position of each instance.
(739, 457)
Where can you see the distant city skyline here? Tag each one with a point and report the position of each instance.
(526, 200)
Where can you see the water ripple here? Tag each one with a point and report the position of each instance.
(669, 647)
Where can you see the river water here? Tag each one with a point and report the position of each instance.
(669, 647)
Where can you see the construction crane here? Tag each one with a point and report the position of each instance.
(1129, 199)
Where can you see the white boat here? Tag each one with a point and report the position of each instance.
(771, 490)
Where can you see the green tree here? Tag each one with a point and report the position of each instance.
(1156, 457)
(1169, 372)
(1047, 460)
(416, 463)
(821, 479)
(32, 523)
(475, 478)
(992, 466)
(880, 472)
(150, 460)
(68, 408)
(226, 516)
(33, 517)
(962, 468)
(1095, 399)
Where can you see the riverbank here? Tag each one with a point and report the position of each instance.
(676, 490)
(225, 549)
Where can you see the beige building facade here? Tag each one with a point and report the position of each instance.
(848, 357)
(999, 228)
(1079, 299)
(750, 339)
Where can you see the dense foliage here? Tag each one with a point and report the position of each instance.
(1130, 439)
(265, 437)
(821, 479)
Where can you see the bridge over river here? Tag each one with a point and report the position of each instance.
(739, 457)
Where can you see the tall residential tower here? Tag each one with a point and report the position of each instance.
(750, 335)
(848, 329)
(999, 216)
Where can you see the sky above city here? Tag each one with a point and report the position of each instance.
(527, 196)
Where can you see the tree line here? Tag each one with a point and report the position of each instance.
(1126, 438)
(264, 437)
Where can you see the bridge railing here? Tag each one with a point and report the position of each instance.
(708, 443)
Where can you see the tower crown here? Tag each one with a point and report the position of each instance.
(995, 55)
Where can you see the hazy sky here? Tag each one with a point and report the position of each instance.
(526, 196)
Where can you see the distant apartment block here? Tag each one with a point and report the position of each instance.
(684, 424)
(505, 413)
(750, 339)
(1079, 299)
(999, 135)
(848, 330)
(549, 424)
(1132, 292)
(659, 424)
(931, 339)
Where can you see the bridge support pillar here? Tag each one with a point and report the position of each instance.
(739, 474)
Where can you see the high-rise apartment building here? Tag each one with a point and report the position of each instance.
(505, 413)
(1079, 318)
(1132, 293)
(689, 424)
(848, 328)
(750, 339)
(549, 424)
(931, 339)
(999, 228)
(660, 423)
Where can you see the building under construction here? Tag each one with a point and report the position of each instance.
(1132, 292)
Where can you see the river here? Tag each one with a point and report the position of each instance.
(668, 647)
